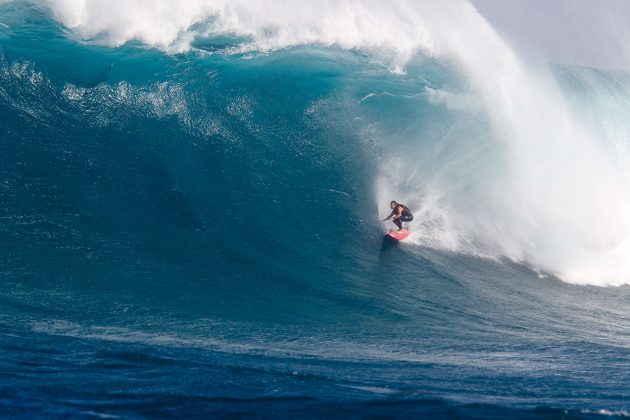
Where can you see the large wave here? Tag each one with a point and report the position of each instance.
(522, 167)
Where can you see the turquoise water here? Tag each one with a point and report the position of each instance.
(198, 234)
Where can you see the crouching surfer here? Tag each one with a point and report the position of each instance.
(400, 213)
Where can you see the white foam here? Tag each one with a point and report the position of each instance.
(605, 412)
(393, 28)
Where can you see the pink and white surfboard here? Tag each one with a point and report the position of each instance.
(399, 235)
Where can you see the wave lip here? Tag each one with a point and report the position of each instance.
(394, 31)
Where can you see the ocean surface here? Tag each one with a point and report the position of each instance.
(191, 200)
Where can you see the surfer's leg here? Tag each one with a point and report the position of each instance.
(398, 223)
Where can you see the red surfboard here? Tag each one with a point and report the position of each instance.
(399, 235)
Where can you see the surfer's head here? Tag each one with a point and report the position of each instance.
(393, 204)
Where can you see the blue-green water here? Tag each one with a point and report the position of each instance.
(198, 234)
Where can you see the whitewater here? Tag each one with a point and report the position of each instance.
(192, 195)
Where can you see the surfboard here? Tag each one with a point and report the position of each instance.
(399, 235)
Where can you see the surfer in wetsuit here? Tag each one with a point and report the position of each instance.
(400, 213)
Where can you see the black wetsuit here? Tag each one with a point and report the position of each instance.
(406, 215)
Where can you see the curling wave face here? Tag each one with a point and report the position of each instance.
(529, 180)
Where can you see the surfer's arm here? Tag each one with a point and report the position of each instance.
(390, 216)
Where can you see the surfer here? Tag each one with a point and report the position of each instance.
(400, 213)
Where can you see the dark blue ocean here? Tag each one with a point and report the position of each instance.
(197, 232)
